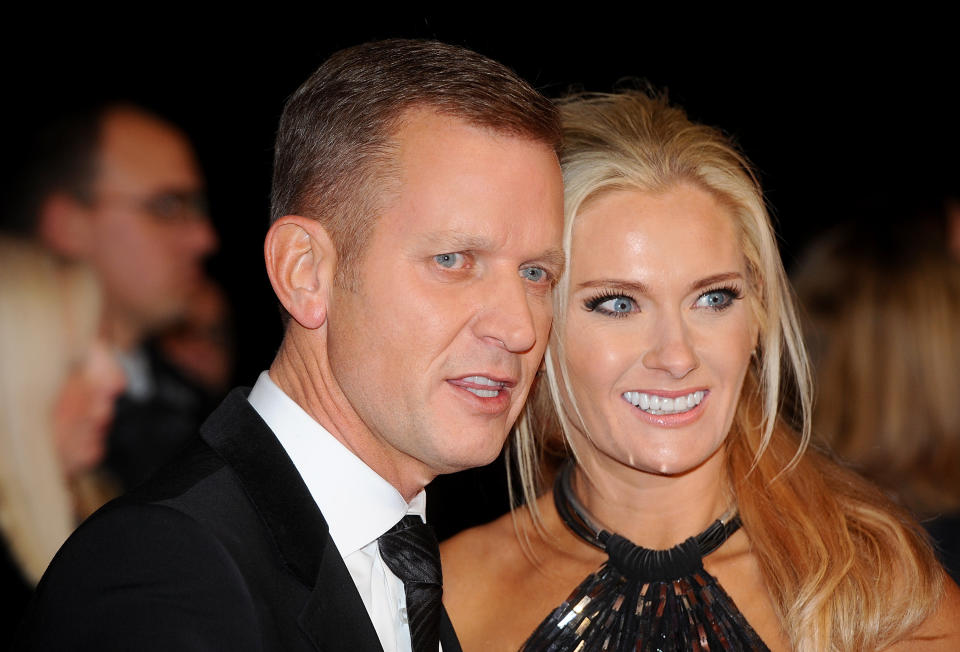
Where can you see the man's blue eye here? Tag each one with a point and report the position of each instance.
(534, 274)
(449, 261)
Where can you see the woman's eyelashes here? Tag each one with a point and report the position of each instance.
(612, 304)
(617, 304)
(719, 299)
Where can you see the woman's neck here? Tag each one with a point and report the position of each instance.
(654, 511)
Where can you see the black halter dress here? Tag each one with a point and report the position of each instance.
(641, 599)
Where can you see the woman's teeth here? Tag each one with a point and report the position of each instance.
(483, 380)
(654, 404)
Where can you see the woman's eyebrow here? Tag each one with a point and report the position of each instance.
(714, 279)
(618, 285)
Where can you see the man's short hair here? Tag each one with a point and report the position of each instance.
(62, 157)
(334, 151)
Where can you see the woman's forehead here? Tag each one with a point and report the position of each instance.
(683, 232)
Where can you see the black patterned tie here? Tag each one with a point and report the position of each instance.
(410, 551)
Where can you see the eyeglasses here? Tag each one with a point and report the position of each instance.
(176, 206)
(166, 206)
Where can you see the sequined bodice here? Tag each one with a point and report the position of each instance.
(645, 600)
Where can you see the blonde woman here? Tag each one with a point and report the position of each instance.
(883, 308)
(58, 382)
(690, 515)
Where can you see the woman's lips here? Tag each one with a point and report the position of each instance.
(673, 408)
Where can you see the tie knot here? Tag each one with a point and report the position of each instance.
(410, 551)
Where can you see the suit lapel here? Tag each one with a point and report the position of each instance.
(334, 618)
(271, 481)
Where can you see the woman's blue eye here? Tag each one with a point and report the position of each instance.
(717, 299)
(534, 274)
(616, 305)
(449, 261)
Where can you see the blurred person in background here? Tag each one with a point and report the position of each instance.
(200, 344)
(120, 189)
(883, 321)
(58, 385)
(953, 226)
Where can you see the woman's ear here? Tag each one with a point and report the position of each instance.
(301, 262)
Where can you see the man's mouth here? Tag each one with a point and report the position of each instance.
(481, 386)
(658, 405)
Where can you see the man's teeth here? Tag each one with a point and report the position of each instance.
(482, 393)
(654, 404)
(483, 380)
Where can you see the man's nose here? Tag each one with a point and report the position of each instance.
(106, 367)
(506, 319)
(199, 236)
(671, 350)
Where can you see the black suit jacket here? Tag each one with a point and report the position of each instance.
(224, 549)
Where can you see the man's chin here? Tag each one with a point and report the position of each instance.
(163, 317)
(453, 462)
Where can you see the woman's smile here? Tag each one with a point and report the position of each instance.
(657, 335)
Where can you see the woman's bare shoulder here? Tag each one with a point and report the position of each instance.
(488, 542)
(482, 564)
(484, 571)
(941, 631)
(497, 589)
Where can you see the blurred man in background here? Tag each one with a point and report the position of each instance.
(120, 189)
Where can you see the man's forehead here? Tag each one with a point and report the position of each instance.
(423, 121)
(454, 186)
(458, 240)
(137, 148)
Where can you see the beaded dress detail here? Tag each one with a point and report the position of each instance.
(641, 599)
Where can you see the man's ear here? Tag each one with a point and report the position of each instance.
(301, 262)
(63, 225)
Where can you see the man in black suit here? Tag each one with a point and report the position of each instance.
(416, 235)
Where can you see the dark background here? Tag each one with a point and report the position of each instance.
(844, 117)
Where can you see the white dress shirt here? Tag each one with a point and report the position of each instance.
(357, 504)
(136, 367)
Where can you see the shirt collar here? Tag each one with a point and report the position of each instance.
(136, 367)
(357, 504)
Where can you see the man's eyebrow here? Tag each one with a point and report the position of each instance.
(458, 241)
(452, 240)
(555, 259)
(617, 285)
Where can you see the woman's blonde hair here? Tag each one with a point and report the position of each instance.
(883, 317)
(49, 312)
(837, 557)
